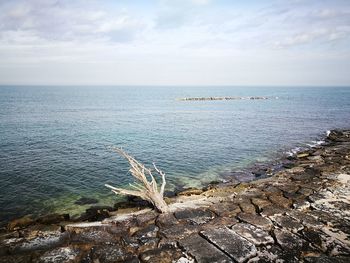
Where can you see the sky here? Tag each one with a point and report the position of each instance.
(178, 42)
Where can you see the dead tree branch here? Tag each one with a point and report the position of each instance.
(145, 189)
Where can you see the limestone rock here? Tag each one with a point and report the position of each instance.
(195, 216)
(256, 220)
(60, 255)
(161, 255)
(234, 245)
(253, 234)
(288, 240)
(288, 223)
(281, 201)
(202, 250)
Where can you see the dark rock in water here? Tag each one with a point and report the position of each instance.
(335, 135)
(96, 213)
(53, 218)
(86, 201)
(20, 222)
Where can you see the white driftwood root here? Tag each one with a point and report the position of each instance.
(147, 190)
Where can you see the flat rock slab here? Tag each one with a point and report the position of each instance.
(196, 216)
(231, 243)
(253, 234)
(287, 240)
(288, 223)
(61, 254)
(256, 220)
(202, 250)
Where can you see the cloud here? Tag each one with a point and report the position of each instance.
(60, 21)
(167, 36)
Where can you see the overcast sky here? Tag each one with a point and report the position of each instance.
(175, 42)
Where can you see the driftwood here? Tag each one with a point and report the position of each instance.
(145, 189)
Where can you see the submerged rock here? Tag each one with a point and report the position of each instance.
(86, 201)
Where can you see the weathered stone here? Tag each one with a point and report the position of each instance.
(256, 220)
(272, 210)
(61, 255)
(149, 231)
(288, 240)
(247, 207)
(161, 255)
(253, 234)
(202, 250)
(226, 209)
(272, 190)
(147, 243)
(288, 223)
(146, 218)
(20, 223)
(281, 201)
(93, 236)
(306, 191)
(22, 258)
(20, 245)
(317, 239)
(234, 245)
(166, 220)
(260, 203)
(110, 254)
(179, 231)
(326, 259)
(305, 218)
(195, 216)
(221, 221)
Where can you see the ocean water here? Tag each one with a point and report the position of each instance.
(54, 140)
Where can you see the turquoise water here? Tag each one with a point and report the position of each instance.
(54, 140)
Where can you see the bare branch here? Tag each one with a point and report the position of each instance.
(162, 188)
(147, 190)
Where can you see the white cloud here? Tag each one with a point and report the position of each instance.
(179, 42)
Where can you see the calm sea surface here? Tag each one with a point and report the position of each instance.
(54, 140)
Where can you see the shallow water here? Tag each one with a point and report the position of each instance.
(54, 140)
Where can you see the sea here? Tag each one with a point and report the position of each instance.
(55, 141)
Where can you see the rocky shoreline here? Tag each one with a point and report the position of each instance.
(301, 213)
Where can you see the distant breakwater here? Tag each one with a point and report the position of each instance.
(226, 98)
